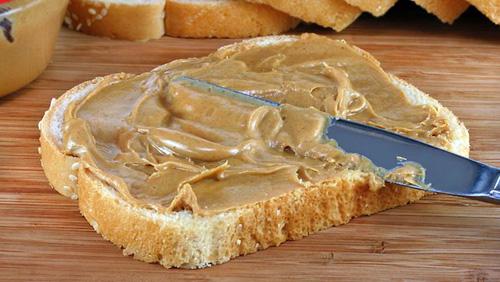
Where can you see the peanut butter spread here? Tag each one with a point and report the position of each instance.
(168, 146)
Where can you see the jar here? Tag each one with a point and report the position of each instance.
(28, 32)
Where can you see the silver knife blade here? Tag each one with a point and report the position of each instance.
(446, 172)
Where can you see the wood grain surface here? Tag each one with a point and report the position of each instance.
(44, 237)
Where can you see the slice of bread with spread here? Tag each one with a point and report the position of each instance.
(224, 19)
(189, 179)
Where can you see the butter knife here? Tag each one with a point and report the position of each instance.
(445, 172)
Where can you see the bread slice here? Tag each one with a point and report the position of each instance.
(123, 19)
(446, 10)
(490, 8)
(374, 7)
(336, 14)
(224, 19)
(145, 19)
(182, 239)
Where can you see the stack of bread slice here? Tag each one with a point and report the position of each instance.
(150, 19)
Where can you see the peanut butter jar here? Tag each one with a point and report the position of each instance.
(28, 31)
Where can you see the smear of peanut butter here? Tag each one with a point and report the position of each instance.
(170, 147)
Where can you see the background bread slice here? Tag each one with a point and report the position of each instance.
(145, 19)
(224, 18)
(122, 19)
(183, 240)
(490, 8)
(336, 14)
(374, 7)
(446, 10)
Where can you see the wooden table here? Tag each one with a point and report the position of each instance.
(43, 236)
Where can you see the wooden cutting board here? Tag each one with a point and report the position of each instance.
(43, 236)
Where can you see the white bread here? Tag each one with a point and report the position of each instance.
(490, 8)
(138, 20)
(184, 240)
(374, 7)
(446, 10)
(336, 14)
(145, 19)
(149, 19)
(224, 19)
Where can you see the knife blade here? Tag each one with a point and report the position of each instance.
(446, 172)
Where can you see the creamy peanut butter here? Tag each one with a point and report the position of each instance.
(167, 146)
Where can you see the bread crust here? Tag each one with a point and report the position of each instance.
(446, 10)
(489, 8)
(61, 169)
(138, 22)
(196, 241)
(336, 14)
(189, 241)
(224, 19)
(374, 7)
